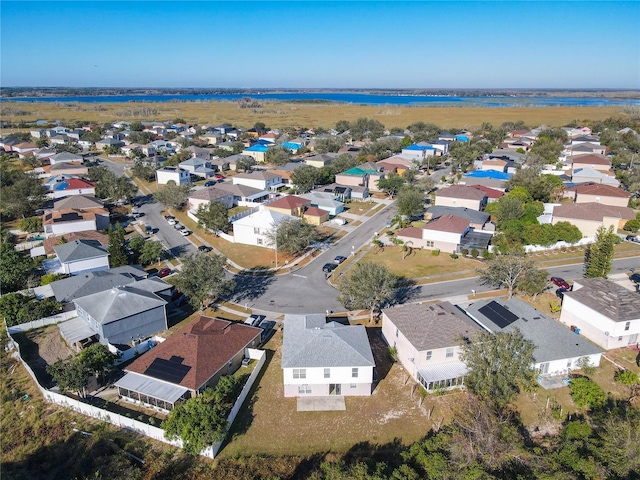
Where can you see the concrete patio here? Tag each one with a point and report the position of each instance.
(550, 383)
(321, 404)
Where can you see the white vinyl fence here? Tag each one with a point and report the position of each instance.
(129, 423)
(43, 322)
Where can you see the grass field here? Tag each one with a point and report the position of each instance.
(282, 114)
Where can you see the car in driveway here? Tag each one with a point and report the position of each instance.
(635, 278)
(204, 248)
(560, 282)
(329, 267)
(163, 273)
(148, 229)
(632, 238)
(209, 183)
(339, 259)
(218, 176)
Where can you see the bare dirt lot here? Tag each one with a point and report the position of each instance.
(42, 347)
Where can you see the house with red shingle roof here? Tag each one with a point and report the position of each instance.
(461, 196)
(315, 215)
(491, 193)
(592, 160)
(289, 205)
(599, 193)
(72, 186)
(447, 233)
(190, 361)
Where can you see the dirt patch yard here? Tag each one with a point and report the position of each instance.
(270, 424)
(42, 347)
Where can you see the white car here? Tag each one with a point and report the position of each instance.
(184, 232)
(171, 221)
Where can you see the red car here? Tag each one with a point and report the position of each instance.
(217, 176)
(560, 282)
(164, 272)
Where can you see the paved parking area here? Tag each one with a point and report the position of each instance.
(321, 404)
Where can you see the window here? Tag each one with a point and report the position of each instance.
(626, 326)
(396, 332)
(429, 354)
(299, 373)
(354, 372)
(430, 243)
(620, 338)
(353, 385)
(256, 230)
(569, 363)
(304, 389)
(450, 352)
(259, 241)
(327, 373)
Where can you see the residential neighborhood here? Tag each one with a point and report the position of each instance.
(198, 255)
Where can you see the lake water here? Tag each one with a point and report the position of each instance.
(354, 98)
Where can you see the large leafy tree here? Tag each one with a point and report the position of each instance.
(277, 155)
(172, 195)
(15, 268)
(21, 194)
(366, 128)
(214, 216)
(391, 184)
(202, 277)
(143, 170)
(534, 282)
(599, 255)
(410, 201)
(305, 178)
(367, 286)
(70, 375)
(97, 358)
(151, 252)
(201, 421)
(507, 270)
(117, 248)
(499, 364)
(292, 235)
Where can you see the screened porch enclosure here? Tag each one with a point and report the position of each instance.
(148, 391)
(448, 375)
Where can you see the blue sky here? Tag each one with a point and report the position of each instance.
(321, 44)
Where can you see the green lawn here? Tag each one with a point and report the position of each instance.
(421, 263)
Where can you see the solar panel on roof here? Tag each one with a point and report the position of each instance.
(167, 370)
(498, 314)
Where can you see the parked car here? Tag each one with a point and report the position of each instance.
(172, 221)
(148, 229)
(632, 238)
(178, 226)
(560, 292)
(339, 259)
(164, 273)
(635, 278)
(560, 282)
(169, 217)
(255, 320)
(184, 232)
(209, 183)
(218, 176)
(204, 248)
(268, 329)
(329, 267)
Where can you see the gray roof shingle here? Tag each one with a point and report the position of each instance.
(552, 340)
(80, 250)
(431, 326)
(311, 342)
(608, 298)
(118, 303)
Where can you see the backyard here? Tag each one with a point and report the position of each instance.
(269, 423)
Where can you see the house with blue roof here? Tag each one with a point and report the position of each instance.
(420, 150)
(257, 151)
(293, 147)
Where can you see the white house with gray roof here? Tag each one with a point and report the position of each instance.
(603, 311)
(557, 349)
(81, 256)
(426, 338)
(120, 315)
(320, 358)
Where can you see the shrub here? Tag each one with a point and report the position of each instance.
(626, 377)
(632, 226)
(555, 306)
(454, 255)
(393, 353)
(464, 251)
(435, 252)
(586, 393)
(475, 253)
(487, 255)
(34, 224)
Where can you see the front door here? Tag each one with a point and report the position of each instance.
(544, 368)
(633, 339)
(335, 389)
